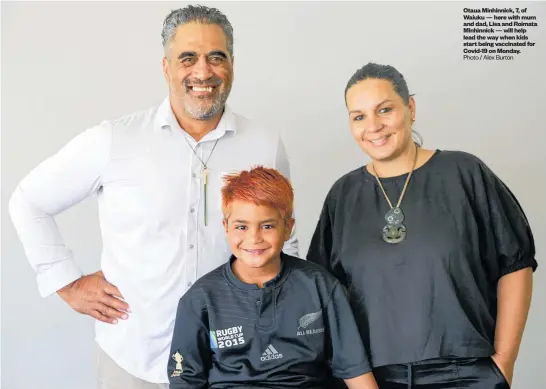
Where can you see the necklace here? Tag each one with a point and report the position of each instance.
(205, 171)
(395, 230)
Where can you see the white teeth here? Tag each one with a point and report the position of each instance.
(380, 140)
(198, 89)
(254, 251)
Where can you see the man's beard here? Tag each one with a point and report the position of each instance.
(205, 108)
(205, 111)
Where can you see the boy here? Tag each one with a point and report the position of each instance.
(264, 319)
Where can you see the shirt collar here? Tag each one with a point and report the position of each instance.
(166, 120)
(276, 281)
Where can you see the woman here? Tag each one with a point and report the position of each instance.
(434, 249)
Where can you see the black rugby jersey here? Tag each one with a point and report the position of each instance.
(229, 334)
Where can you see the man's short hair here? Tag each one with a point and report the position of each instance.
(196, 14)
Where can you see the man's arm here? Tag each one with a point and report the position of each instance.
(291, 246)
(191, 358)
(61, 181)
(513, 301)
(348, 355)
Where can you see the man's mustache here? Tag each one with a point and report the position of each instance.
(213, 81)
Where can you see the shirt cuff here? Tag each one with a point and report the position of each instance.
(57, 276)
(521, 264)
(355, 371)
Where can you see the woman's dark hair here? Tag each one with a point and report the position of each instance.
(384, 72)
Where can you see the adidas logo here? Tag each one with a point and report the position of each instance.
(270, 353)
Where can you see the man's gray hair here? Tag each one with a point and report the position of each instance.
(196, 14)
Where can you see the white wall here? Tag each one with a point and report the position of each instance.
(68, 65)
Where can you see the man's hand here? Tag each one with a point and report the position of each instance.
(94, 296)
(505, 365)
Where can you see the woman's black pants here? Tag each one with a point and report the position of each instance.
(461, 373)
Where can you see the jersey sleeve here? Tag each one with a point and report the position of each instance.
(190, 359)
(347, 353)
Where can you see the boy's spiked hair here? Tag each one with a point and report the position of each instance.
(261, 186)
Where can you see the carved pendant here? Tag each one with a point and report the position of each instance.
(395, 230)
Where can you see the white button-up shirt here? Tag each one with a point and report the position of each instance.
(150, 193)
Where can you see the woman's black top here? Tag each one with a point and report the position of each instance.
(435, 293)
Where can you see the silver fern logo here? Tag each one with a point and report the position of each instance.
(306, 320)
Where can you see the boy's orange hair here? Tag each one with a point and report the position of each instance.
(261, 186)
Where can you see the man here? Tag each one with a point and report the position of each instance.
(157, 177)
(265, 319)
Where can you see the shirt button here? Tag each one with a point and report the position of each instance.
(258, 303)
(190, 284)
(194, 175)
(192, 210)
(191, 246)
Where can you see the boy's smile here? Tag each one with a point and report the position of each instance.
(256, 235)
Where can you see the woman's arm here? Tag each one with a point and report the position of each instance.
(514, 299)
(365, 381)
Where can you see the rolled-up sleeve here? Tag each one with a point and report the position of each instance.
(56, 184)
